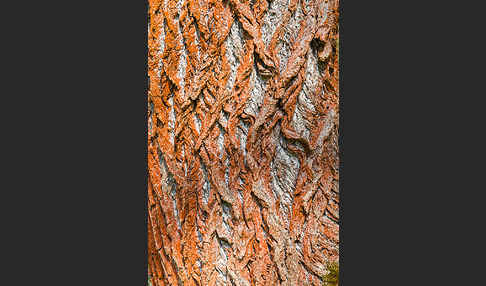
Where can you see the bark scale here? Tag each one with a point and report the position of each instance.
(243, 143)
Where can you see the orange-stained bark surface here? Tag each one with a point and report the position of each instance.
(242, 141)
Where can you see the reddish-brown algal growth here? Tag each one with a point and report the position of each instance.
(242, 141)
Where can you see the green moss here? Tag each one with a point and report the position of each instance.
(332, 277)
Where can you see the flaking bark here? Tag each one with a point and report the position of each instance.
(242, 144)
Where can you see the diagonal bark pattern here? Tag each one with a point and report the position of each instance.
(242, 141)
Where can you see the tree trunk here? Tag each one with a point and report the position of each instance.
(242, 141)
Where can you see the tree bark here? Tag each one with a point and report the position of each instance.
(242, 141)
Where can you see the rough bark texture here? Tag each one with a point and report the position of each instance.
(242, 144)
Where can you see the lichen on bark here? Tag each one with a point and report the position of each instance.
(242, 141)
